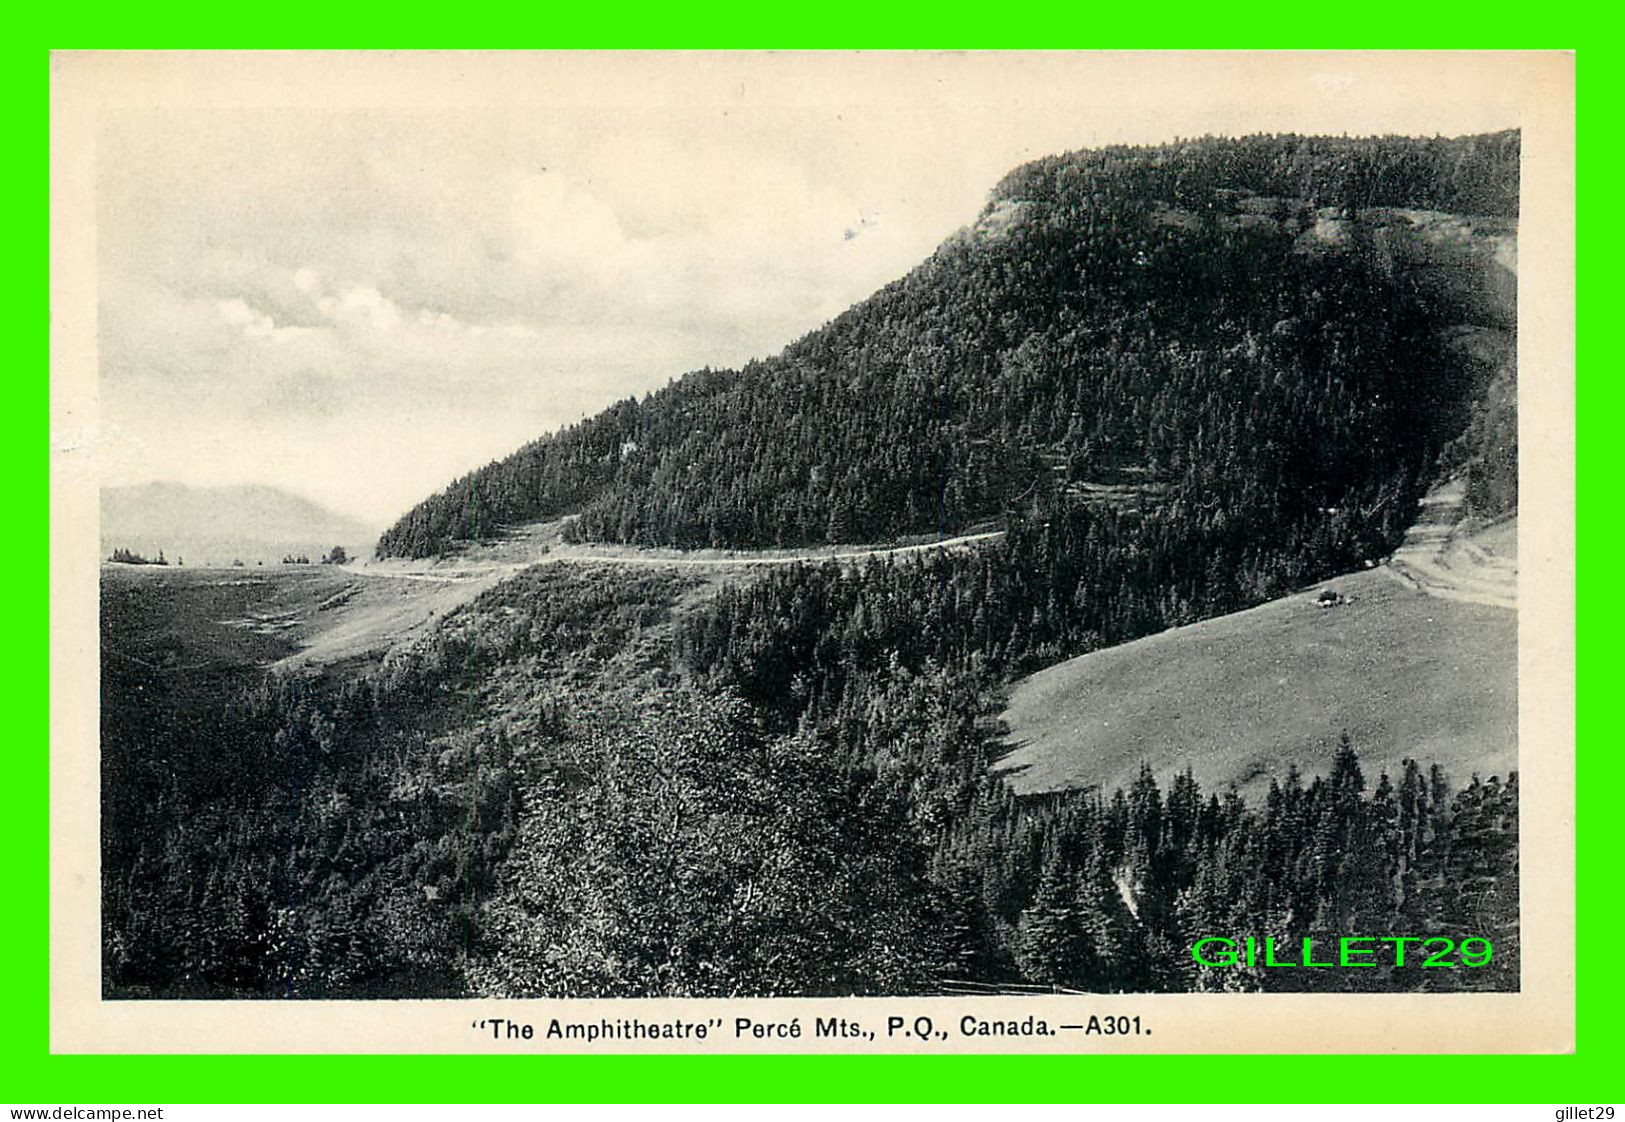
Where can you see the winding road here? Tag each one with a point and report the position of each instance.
(1452, 559)
(462, 569)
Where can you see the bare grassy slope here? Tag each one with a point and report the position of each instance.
(1241, 697)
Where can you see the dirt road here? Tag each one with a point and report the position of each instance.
(557, 552)
(1452, 558)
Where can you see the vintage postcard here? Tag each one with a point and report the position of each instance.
(764, 552)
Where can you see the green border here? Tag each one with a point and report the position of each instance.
(28, 1074)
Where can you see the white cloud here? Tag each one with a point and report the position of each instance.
(236, 311)
(563, 230)
(361, 306)
(254, 323)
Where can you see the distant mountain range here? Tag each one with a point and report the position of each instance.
(218, 525)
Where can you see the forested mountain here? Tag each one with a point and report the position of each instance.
(1204, 322)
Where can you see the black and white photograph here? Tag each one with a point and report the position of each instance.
(744, 526)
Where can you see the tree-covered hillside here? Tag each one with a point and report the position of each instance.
(547, 796)
(1167, 324)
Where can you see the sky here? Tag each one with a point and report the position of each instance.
(358, 280)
